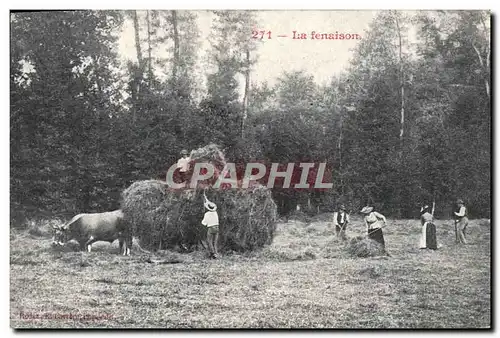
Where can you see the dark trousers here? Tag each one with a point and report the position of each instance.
(460, 226)
(340, 230)
(183, 176)
(212, 239)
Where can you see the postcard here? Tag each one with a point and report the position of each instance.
(259, 169)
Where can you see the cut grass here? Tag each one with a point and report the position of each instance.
(305, 279)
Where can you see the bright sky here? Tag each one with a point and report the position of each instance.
(321, 58)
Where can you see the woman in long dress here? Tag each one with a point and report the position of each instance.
(374, 223)
(428, 237)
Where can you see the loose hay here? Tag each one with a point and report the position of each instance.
(364, 247)
(287, 254)
(210, 153)
(163, 218)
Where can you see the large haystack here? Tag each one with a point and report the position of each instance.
(163, 217)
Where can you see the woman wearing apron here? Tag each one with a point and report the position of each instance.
(374, 223)
(428, 237)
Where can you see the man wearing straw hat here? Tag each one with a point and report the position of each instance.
(461, 222)
(183, 165)
(340, 220)
(211, 221)
(373, 221)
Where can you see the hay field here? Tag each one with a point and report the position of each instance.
(305, 279)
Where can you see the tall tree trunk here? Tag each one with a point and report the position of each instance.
(400, 190)
(140, 61)
(176, 47)
(96, 72)
(137, 40)
(402, 81)
(150, 70)
(175, 66)
(246, 94)
(484, 68)
(485, 64)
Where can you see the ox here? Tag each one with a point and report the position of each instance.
(90, 228)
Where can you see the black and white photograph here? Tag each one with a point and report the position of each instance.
(250, 169)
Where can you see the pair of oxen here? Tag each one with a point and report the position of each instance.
(87, 229)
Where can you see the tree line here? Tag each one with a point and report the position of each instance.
(405, 123)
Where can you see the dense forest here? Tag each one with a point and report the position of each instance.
(402, 125)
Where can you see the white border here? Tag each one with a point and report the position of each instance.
(256, 4)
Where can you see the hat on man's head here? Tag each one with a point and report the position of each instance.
(366, 210)
(425, 207)
(342, 207)
(184, 152)
(459, 201)
(211, 206)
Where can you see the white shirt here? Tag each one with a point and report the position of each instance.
(342, 215)
(373, 219)
(183, 164)
(210, 219)
(461, 213)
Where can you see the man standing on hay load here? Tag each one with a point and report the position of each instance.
(428, 237)
(211, 221)
(461, 222)
(183, 165)
(373, 221)
(340, 220)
